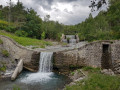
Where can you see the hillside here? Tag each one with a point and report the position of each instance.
(26, 41)
(26, 23)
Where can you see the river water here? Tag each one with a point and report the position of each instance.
(36, 81)
(44, 79)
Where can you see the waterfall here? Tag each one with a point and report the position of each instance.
(45, 63)
(45, 69)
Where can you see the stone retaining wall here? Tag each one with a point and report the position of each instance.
(89, 55)
(29, 57)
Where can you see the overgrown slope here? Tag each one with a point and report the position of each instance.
(26, 41)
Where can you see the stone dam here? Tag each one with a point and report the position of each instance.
(102, 54)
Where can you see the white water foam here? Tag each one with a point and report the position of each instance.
(44, 73)
(37, 77)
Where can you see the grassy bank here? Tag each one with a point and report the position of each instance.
(25, 41)
(97, 81)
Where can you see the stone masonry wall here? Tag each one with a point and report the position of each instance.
(88, 55)
(29, 57)
(115, 56)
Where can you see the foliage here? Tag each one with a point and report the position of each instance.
(43, 35)
(26, 41)
(3, 68)
(7, 26)
(5, 53)
(33, 25)
(21, 33)
(96, 81)
(26, 22)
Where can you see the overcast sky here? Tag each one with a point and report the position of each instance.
(68, 12)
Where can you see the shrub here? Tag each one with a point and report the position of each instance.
(5, 53)
(7, 26)
(59, 36)
(3, 24)
(43, 35)
(21, 33)
(81, 37)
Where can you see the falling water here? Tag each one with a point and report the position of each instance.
(45, 63)
(44, 79)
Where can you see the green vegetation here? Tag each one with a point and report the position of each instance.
(15, 87)
(5, 53)
(43, 35)
(72, 73)
(91, 69)
(26, 41)
(26, 23)
(96, 81)
(1, 42)
(3, 68)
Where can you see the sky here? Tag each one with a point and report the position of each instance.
(68, 12)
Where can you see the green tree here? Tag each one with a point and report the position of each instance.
(33, 24)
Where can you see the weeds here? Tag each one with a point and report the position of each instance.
(5, 53)
(96, 81)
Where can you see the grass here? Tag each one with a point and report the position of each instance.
(91, 69)
(15, 87)
(3, 68)
(25, 41)
(96, 81)
(5, 53)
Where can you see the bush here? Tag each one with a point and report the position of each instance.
(59, 36)
(43, 35)
(3, 24)
(5, 53)
(81, 37)
(6, 26)
(21, 33)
